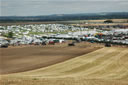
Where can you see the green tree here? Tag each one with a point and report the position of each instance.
(10, 35)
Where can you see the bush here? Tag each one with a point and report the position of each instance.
(10, 35)
(108, 21)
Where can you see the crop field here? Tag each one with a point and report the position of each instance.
(118, 21)
(18, 59)
(105, 66)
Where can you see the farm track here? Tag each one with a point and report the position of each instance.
(106, 66)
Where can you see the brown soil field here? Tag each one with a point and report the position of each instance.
(64, 22)
(19, 59)
(114, 20)
(105, 66)
(102, 24)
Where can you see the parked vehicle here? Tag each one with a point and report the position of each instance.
(71, 44)
(43, 43)
(3, 43)
(107, 45)
(51, 43)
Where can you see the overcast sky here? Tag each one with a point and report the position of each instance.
(48, 7)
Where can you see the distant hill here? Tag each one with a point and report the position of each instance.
(66, 17)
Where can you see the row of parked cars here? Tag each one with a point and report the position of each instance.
(16, 42)
(107, 40)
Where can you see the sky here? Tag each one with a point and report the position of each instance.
(49, 7)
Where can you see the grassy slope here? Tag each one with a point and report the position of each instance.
(107, 66)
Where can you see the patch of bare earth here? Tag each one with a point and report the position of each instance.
(105, 66)
(19, 59)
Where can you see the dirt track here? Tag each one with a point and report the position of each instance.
(29, 58)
